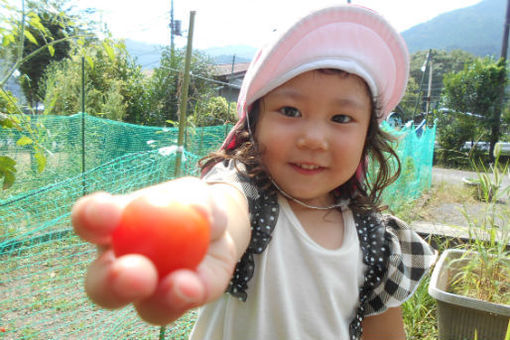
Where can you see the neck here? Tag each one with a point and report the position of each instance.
(310, 206)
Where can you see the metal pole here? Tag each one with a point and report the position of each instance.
(184, 95)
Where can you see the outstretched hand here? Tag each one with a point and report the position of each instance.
(113, 282)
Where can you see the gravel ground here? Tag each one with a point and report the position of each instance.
(450, 214)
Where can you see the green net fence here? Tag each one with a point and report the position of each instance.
(42, 262)
(80, 142)
(415, 148)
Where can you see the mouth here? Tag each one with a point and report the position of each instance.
(307, 167)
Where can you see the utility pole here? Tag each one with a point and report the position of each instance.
(172, 26)
(504, 45)
(423, 70)
(429, 89)
(184, 95)
(495, 129)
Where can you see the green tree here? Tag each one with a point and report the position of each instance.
(477, 90)
(443, 63)
(406, 106)
(214, 111)
(14, 30)
(53, 24)
(114, 84)
(165, 86)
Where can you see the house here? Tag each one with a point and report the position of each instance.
(230, 78)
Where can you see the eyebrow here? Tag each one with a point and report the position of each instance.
(297, 95)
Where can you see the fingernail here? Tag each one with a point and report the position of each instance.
(185, 298)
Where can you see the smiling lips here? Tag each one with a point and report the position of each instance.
(307, 168)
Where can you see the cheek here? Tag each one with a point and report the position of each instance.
(349, 150)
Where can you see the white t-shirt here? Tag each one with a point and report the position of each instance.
(299, 290)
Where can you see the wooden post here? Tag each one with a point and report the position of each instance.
(184, 96)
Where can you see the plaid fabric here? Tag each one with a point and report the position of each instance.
(409, 259)
(396, 258)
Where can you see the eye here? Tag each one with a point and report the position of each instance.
(290, 111)
(342, 119)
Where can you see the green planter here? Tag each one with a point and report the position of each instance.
(459, 316)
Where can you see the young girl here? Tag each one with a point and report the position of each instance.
(299, 248)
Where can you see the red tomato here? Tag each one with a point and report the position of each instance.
(171, 234)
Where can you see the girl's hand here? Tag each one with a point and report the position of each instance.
(113, 282)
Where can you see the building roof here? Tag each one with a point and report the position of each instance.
(226, 69)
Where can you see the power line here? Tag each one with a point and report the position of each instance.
(237, 87)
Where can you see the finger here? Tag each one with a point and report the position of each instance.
(176, 293)
(218, 214)
(95, 216)
(185, 289)
(115, 282)
(215, 272)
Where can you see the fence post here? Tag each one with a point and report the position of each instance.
(83, 183)
(184, 96)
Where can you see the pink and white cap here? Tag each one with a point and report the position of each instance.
(351, 38)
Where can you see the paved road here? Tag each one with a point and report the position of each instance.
(440, 218)
(455, 176)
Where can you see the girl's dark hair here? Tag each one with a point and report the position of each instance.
(365, 192)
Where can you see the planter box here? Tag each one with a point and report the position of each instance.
(459, 316)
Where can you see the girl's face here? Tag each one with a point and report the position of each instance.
(311, 132)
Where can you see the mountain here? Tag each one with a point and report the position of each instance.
(224, 55)
(477, 29)
(146, 55)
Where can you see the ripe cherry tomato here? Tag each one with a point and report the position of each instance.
(171, 234)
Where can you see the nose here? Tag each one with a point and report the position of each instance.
(313, 136)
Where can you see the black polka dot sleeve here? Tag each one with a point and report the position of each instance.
(263, 207)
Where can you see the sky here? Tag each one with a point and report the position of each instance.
(221, 23)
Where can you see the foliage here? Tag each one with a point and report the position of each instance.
(443, 63)
(8, 104)
(214, 111)
(49, 22)
(113, 82)
(477, 90)
(12, 34)
(164, 86)
(485, 266)
(408, 102)
(454, 129)
(28, 38)
(419, 313)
